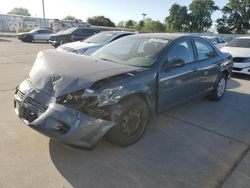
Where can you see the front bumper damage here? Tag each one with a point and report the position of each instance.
(40, 111)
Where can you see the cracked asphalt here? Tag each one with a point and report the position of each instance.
(197, 144)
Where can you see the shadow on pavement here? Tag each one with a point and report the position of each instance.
(172, 152)
(241, 76)
(232, 84)
(5, 40)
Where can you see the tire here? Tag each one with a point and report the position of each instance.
(63, 42)
(219, 89)
(28, 38)
(131, 122)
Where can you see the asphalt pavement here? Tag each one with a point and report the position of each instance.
(197, 144)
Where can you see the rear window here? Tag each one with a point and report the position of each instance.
(69, 31)
(100, 38)
(240, 43)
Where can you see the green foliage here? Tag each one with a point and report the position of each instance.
(178, 19)
(20, 11)
(147, 26)
(121, 24)
(72, 18)
(222, 26)
(236, 17)
(100, 21)
(200, 15)
(131, 24)
(151, 26)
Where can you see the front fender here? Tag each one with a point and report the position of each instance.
(130, 90)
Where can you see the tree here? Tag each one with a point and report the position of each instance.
(131, 24)
(222, 26)
(178, 19)
(151, 26)
(72, 18)
(20, 11)
(121, 24)
(100, 21)
(69, 17)
(236, 16)
(200, 14)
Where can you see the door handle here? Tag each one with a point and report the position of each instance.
(195, 69)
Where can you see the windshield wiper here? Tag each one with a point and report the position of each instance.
(105, 59)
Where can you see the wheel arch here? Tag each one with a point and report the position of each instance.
(138, 90)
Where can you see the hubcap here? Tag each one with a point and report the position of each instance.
(131, 123)
(221, 87)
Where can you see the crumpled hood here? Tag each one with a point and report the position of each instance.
(72, 46)
(59, 73)
(236, 52)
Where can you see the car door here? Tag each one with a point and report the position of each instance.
(178, 84)
(210, 64)
(41, 35)
(77, 34)
(45, 35)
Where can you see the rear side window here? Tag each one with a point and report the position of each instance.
(204, 50)
(44, 31)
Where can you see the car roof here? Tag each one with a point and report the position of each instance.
(245, 37)
(118, 32)
(168, 36)
(210, 37)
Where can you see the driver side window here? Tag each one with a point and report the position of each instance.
(182, 50)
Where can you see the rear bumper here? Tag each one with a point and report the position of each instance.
(57, 121)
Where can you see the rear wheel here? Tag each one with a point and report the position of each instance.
(220, 88)
(131, 122)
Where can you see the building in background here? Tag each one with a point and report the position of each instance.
(14, 23)
(17, 23)
(58, 25)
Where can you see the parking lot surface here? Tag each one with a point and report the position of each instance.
(198, 144)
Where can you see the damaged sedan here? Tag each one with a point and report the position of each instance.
(78, 100)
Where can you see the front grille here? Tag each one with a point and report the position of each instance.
(239, 59)
(237, 69)
(36, 104)
(28, 115)
(20, 94)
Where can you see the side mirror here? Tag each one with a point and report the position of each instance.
(174, 63)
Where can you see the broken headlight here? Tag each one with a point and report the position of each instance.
(80, 99)
(87, 98)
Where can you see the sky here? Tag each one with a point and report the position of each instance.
(116, 10)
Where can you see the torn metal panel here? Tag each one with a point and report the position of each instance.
(59, 73)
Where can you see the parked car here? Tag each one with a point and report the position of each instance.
(35, 35)
(93, 43)
(239, 48)
(71, 35)
(217, 41)
(116, 91)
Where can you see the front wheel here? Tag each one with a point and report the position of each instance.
(220, 88)
(131, 121)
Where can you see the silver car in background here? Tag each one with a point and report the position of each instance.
(35, 35)
(217, 41)
(239, 48)
(93, 43)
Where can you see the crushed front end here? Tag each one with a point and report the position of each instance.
(57, 119)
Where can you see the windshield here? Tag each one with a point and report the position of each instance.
(100, 38)
(133, 50)
(69, 31)
(240, 43)
(33, 31)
